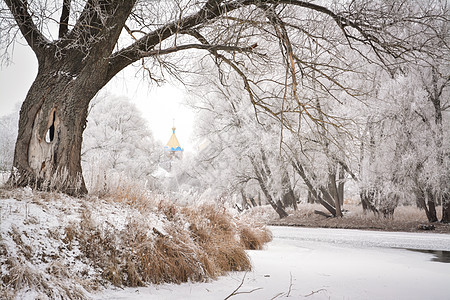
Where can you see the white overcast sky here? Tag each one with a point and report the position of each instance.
(159, 105)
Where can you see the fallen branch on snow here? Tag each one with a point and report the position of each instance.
(314, 292)
(235, 292)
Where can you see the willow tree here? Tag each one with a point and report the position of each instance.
(81, 45)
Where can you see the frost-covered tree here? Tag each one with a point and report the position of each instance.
(81, 45)
(8, 135)
(316, 124)
(254, 151)
(435, 78)
(403, 149)
(238, 156)
(405, 139)
(117, 143)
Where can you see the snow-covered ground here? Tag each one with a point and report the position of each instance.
(308, 263)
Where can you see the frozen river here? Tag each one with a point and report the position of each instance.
(314, 263)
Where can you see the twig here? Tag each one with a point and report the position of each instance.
(276, 296)
(290, 284)
(314, 292)
(235, 292)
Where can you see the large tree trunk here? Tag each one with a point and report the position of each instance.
(334, 192)
(288, 196)
(445, 208)
(52, 120)
(48, 147)
(71, 71)
(431, 206)
(435, 96)
(341, 185)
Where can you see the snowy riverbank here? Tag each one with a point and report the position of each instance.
(309, 263)
(53, 246)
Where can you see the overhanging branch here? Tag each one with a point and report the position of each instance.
(34, 38)
(213, 9)
(101, 20)
(196, 46)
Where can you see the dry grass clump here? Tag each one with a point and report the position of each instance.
(216, 232)
(162, 257)
(254, 238)
(195, 244)
(252, 230)
(131, 194)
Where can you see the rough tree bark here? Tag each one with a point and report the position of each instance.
(48, 147)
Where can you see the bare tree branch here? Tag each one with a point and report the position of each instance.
(34, 38)
(314, 292)
(235, 292)
(213, 48)
(64, 20)
(100, 20)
